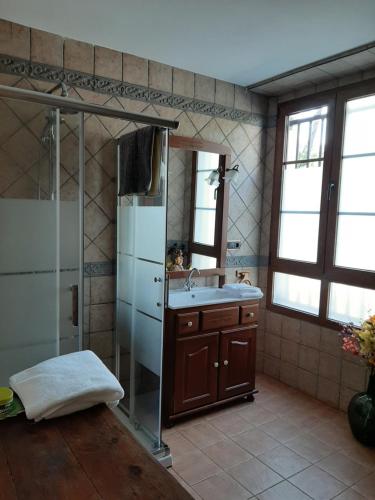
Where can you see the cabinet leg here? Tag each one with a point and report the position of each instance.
(250, 398)
(169, 425)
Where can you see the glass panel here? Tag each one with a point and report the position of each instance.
(355, 242)
(28, 224)
(70, 230)
(204, 227)
(295, 292)
(205, 195)
(299, 236)
(301, 187)
(359, 126)
(203, 261)
(355, 232)
(350, 303)
(141, 249)
(207, 161)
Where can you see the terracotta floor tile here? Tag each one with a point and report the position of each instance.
(255, 476)
(179, 445)
(344, 468)
(221, 487)
(188, 488)
(257, 416)
(317, 483)
(281, 429)
(366, 486)
(349, 494)
(202, 435)
(309, 447)
(333, 435)
(283, 491)
(284, 461)
(226, 454)
(195, 467)
(360, 453)
(255, 441)
(231, 424)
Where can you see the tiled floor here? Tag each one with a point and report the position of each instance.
(284, 446)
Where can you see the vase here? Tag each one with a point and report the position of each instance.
(361, 414)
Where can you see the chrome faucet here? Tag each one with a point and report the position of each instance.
(189, 283)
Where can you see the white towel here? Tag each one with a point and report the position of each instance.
(65, 384)
(243, 291)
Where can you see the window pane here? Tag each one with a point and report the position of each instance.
(296, 292)
(205, 195)
(204, 226)
(355, 242)
(203, 261)
(350, 303)
(207, 161)
(299, 237)
(301, 187)
(357, 184)
(359, 126)
(355, 232)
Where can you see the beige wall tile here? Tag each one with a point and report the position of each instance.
(353, 376)
(135, 69)
(46, 48)
(204, 88)
(108, 63)
(329, 367)
(289, 351)
(310, 334)
(259, 103)
(101, 317)
(242, 99)
(183, 82)
(308, 359)
(160, 76)
(14, 39)
(102, 344)
(78, 56)
(291, 329)
(272, 345)
(102, 289)
(330, 342)
(328, 391)
(307, 382)
(273, 323)
(289, 374)
(224, 93)
(271, 366)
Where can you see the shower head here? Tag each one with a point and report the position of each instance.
(64, 93)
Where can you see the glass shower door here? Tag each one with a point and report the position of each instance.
(31, 257)
(141, 247)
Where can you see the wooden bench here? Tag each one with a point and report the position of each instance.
(85, 456)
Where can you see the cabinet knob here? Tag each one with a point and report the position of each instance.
(216, 364)
(226, 362)
(157, 280)
(158, 304)
(250, 315)
(189, 324)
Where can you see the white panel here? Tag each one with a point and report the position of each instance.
(147, 342)
(28, 310)
(28, 235)
(69, 236)
(124, 324)
(350, 303)
(148, 292)
(296, 292)
(15, 360)
(150, 233)
(125, 277)
(126, 229)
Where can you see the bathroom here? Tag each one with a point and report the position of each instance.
(126, 287)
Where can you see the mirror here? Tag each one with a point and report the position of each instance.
(197, 205)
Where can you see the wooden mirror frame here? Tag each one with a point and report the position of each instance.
(219, 249)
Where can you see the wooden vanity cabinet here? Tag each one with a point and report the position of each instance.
(209, 357)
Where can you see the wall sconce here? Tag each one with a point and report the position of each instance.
(231, 174)
(214, 178)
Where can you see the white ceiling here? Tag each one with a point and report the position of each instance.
(241, 41)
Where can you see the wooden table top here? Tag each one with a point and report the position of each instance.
(85, 456)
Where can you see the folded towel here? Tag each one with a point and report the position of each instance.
(237, 286)
(136, 161)
(243, 291)
(66, 384)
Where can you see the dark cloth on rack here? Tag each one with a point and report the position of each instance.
(138, 161)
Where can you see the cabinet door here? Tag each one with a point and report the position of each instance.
(237, 362)
(196, 371)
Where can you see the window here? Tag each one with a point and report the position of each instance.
(322, 249)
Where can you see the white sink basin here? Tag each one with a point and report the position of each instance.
(179, 299)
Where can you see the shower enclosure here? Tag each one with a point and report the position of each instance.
(41, 234)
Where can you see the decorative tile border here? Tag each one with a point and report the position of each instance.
(22, 67)
(105, 268)
(246, 260)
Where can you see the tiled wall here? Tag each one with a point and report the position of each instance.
(300, 353)
(46, 56)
